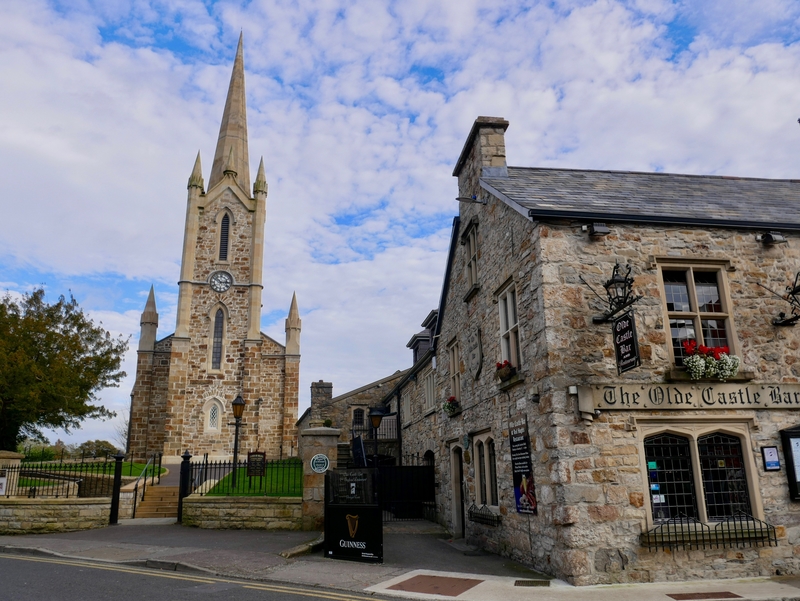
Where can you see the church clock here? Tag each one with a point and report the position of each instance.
(220, 281)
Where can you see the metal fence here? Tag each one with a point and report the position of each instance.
(682, 532)
(58, 480)
(276, 478)
(386, 431)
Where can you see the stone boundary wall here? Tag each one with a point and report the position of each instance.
(251, 513)
(25, 516)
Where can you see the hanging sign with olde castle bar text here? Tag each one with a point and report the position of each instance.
(701, 395)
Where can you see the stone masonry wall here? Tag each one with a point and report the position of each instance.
(27, 516)
(260, 370)
(148, 401)
(250, 513)
(590, 487)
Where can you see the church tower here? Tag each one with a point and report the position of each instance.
(218, 351)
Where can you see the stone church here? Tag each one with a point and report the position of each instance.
(185, 382)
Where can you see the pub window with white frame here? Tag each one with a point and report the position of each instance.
(698, 307)
(429, 384)
(704, 473)
(455, 370)
(486, 470)
(509, 326)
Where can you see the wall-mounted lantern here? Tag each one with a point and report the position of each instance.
(619, 290)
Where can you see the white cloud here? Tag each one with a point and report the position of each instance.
(360, 111)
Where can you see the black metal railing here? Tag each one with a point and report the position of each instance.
(276, 478)
(483, 515)
(58, 480)
(386, 431)
(682, 532)
(142, 480)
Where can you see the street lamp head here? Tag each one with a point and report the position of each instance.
(375, 416)
(238, 407)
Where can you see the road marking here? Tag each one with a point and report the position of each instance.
(275, 588)
(309, 592)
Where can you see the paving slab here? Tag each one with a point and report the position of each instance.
(420, 562)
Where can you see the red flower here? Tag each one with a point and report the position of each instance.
(703, 349)
(505, 363)
(689, 346)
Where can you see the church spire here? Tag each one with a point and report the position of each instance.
(261, 179)
(196, 178)
(149, 323)
(233, 130)
(293, 325)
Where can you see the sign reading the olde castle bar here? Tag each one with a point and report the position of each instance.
(626, 344)
(701, 395)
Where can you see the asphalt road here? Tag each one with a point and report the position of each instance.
(26, 578)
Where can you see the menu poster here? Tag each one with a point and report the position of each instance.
(795, 446)
(522, 467)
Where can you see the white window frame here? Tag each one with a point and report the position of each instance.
(471, 247)
(405, 405)
(454, 355)
(510, 347)
(693, 429)
(429, 389)
(486, 479)
(208, 407)
(719, 267)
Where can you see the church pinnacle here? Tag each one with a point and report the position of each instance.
(232, 141)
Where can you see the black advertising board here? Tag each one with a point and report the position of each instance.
(353, 518)
(790, 438)
(521, 466)
(626, 343)
(256, 464)
(354, 532)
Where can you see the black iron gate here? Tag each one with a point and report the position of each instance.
(407, 492)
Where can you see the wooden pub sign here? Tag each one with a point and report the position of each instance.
(626, 342)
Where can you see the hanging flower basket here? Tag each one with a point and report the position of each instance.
(505, 371)
(451, 406)
(709, 362)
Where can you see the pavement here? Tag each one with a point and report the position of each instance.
(420, 562)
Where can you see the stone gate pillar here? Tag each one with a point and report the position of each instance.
(315, 441)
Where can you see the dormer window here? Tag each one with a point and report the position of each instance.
(224, 229)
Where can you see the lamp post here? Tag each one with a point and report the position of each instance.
(238, 409)
(375, 416)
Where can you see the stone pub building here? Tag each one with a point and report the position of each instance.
(600, 464)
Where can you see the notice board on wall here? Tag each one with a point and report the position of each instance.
(522, 466)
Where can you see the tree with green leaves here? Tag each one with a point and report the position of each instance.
(53, 362)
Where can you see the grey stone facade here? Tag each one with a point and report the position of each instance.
(591, 479)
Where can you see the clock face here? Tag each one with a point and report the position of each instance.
(220, 281)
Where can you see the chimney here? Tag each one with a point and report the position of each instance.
(483, 155)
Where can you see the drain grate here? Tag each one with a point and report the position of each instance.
(703, 596)
(531, 583)
(436, 585)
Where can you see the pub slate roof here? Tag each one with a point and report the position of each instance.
(650, 197)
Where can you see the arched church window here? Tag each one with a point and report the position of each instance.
(213, 418)
(216, 349)
(224, 228)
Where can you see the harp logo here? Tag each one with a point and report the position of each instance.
(352, 525)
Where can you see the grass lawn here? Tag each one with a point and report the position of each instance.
(282, 479)
(97, 467)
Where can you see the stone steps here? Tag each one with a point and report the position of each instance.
(159, 502)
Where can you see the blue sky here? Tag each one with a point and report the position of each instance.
(360, 110)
